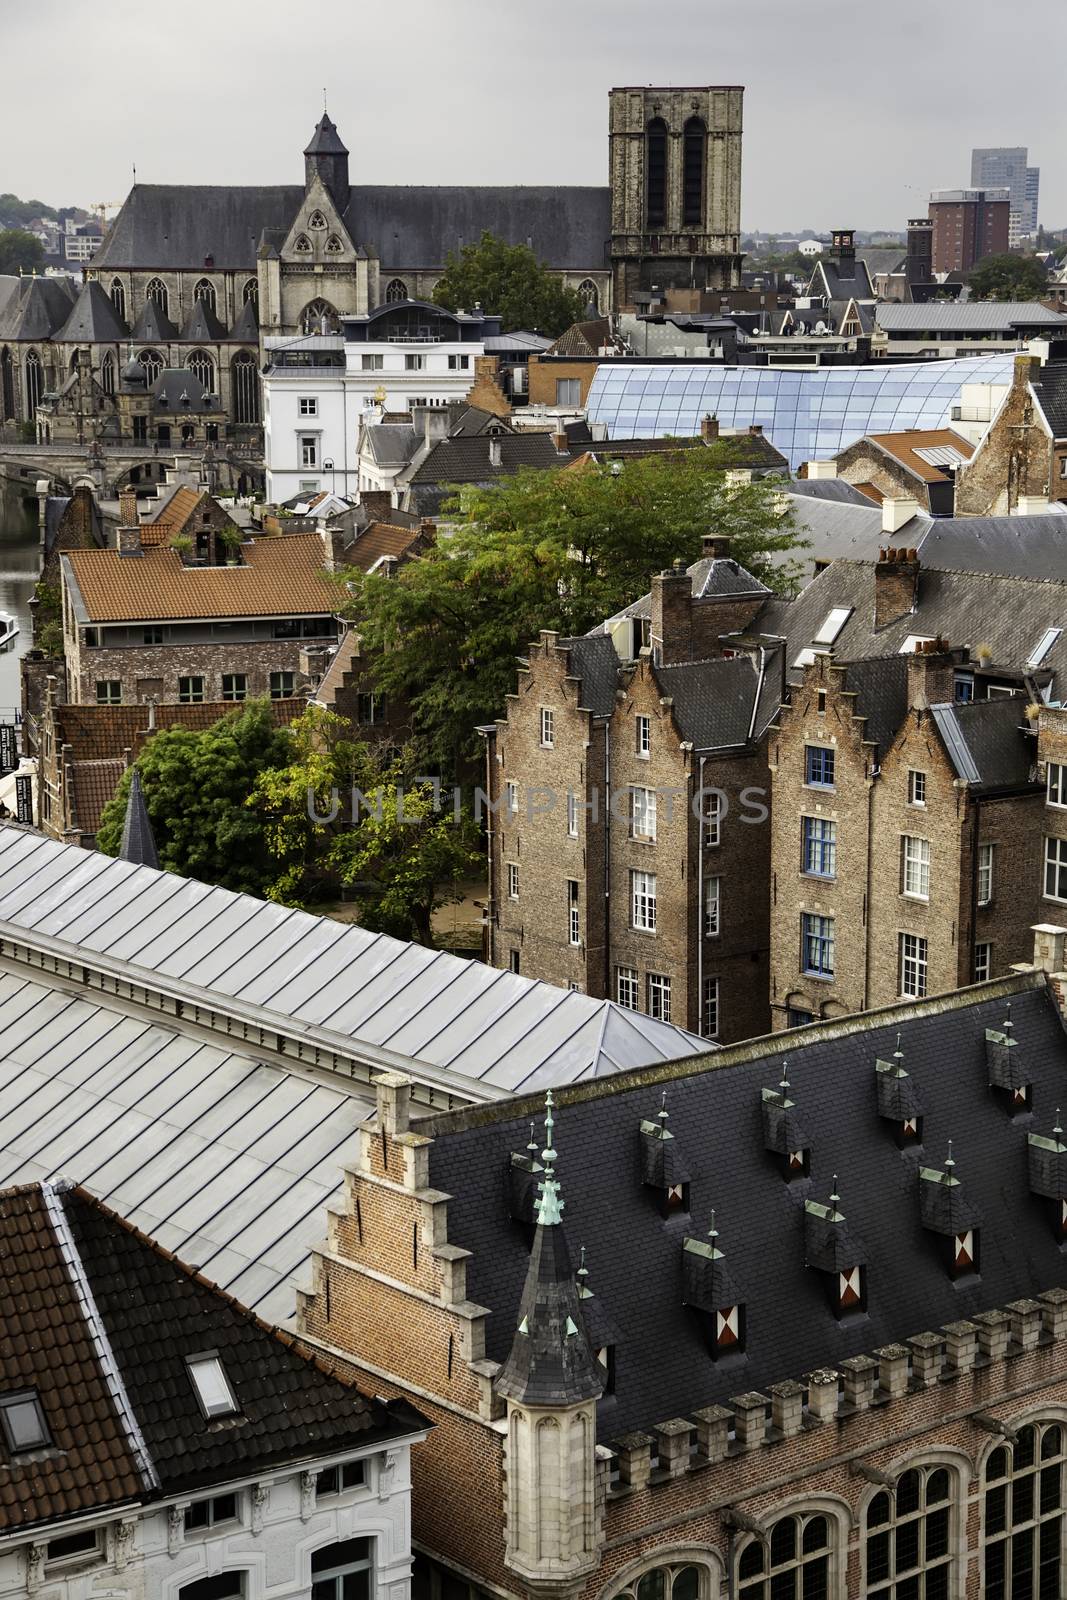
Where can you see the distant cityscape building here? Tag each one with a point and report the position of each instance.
(1006, 167)
(969, 224)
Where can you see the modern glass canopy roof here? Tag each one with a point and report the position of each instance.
(807, 414)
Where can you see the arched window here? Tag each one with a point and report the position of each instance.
(202, 367)
(1022, 1524)
(152, 362)
(693, 146)
(118, 297)
(908, 1539)
(34, 384)
(341, 1571)
(676, 1580)
(656, 172)
(396, 289)
(590, 294)
(157, 293)
(334, 247)
(793, 1560)
(303, 245)
(245, 383)
(107, 373)
(7, 386)
(204, 290)
(316, 220)
(250, 292)
(318, 317)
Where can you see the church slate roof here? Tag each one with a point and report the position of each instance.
(246, 329)
(93, 318)
(138, 841)
(40, 306)
(662, 1363)
(182, 225)
(325, 141)
(152, 327)
(202, 326)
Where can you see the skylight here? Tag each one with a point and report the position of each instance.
(23, 1422)
(212, 1386)
(833, 624)
(1044, 645)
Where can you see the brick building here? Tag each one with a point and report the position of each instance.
(761, 1327)
(618, 860)
(969, 224)
(1021, 461)
(187, 610)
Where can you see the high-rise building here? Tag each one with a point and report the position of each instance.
(1005, 167)
(969, 224)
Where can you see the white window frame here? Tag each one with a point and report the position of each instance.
(983, 961)
(309, 450)
(513, 880)
(459, 363)
(914, 956)
(712, 907)
(916, 787)
(627, 988)
(548, 727)
(211, 1385)
(915, 867)
(572, 814)
(414, 362)
(308, 405)
(643, 737)
(511, 798)
(574, 918)
(712, 820)
(1055, 859)
(1056, 781)
(658, 985)
(643, 901)
(709, 1009)
(642, 814)
(372, 362)
(986, 856)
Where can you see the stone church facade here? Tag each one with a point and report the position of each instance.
(191, 277)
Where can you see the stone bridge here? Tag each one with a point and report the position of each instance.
(235, 468)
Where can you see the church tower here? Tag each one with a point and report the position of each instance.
(675, 191)
(327, 158)
(551, 1383)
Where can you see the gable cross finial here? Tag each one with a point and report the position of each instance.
(550, 1206)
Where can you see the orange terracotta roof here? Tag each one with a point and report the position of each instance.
(172, 517)
(277, 578)
(904, 445)
(380, 539)
(97, 734)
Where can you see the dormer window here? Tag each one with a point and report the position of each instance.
(605, 1364)
(850, 1295)
(782, 1132)
(1008, 1074)
(707, 1287)
(965, 1252)
(661, 1166)
(945, 1210)
(728, 1328)
(831, 1248)
(211, 1385)
(1047, 1160)
(23, 1422)
(898, 1099)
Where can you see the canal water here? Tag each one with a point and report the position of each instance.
(20, 563)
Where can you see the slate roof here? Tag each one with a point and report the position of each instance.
(594, 659)
(827, 489)
(152, 327)
(325, 141)
(100, 1322)
(37, 309)
(202, 326)
(972, 316)
(987, 742)
(1050, 387)
(138, 842)
(881, 689)
(713, 700)
(246, 329)
(662, 1366)
(180, 391)
(181, 225)
(279, 577)
(93, 318)
(464, 459)
(390, 444)
(711, 575)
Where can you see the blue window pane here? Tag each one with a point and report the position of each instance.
(817, 945)
(819, 766)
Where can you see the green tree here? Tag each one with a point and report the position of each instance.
(560, 550)
(14, 213)
(1009, 277)
(196, 786)
(508, 281)
(19, 250)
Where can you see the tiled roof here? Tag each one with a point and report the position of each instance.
(94, 784)
(278, 577)
(381, 539)
(662, 1363)
(171, 517)
(100, 1321)
(98, 732)
(904, 446)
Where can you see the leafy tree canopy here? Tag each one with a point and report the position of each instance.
(19, 249)
(560, 550)
(508, 281)
(1009, 277)
(14, 212)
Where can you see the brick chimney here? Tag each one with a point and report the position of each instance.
(333, 541)
(378, 503)
(896, 585)
(716, 545)
(709, 429)
(562, 444)
(672, 615)
(932, 674)
(128, 536)
(756, 429)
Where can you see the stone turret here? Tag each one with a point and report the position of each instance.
(326, 157)
(551, 1383)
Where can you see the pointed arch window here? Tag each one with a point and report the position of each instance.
(316, 220)
(118, 297)
(107, 373)
(204, 291)
(157, 293)
(694, 143)
(656, 173)
(590, 295)
(203, 368)
(1023, 1515)
(303, 245)
(396, 289)
(792, 1559)
(34, 384)
(908, 1539)
(318, 317)
(334, 247)
(245, 385)
(152, 362)
(250, 292)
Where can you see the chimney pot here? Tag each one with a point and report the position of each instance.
(709, 428)
(561, 444)
(896, 585)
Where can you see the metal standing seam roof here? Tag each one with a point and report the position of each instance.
(487, 1032)
(807, 414)
(972, 316)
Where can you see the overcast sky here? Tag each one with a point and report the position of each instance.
(852, 112)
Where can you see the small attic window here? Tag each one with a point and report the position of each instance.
(965, 1253)
(23, 1422)
(211, 1385)
(797, 1163)
(677, 1197)
(729, 1329)
(835, 620)
(911, 1130)
(851, 1290)
(1043, 646)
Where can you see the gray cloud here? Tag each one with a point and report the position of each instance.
(852, 115)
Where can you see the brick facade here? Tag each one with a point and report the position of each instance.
(1016, 457)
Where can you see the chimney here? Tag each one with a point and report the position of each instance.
(896, 585)
(1031, 505)
(820, 469)
(495, 454)
(756, 429)
(709, 428)
(378, 503)
(128, 536)
(932, 674)
(716, 545)
(333, 540)
(898, 510)
(672, 616)
(562, 444)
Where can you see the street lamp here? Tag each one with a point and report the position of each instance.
(328, 466)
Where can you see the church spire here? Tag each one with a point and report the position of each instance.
(138, 841)
(551, 1363)
(326, 157)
